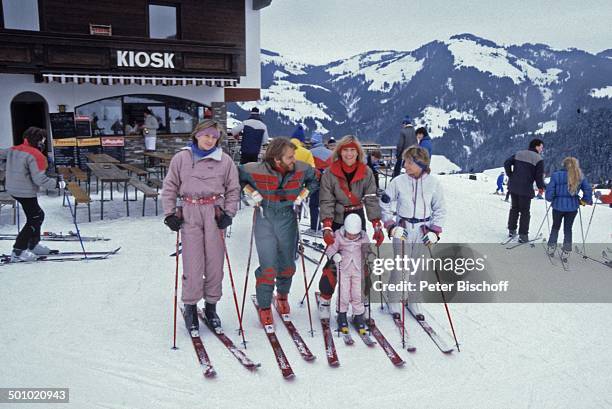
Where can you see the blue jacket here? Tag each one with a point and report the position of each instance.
(500, 180)
(559, 195)
(426, 144)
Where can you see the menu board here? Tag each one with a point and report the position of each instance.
(65, 152)
(114, 146)
(62, 125)
(86, 146)
(82, 127)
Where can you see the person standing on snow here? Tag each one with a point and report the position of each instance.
(500, 184)
(204, 180)
(562, 192)
(347, 187)
(25, 176)
(413, 213)
(350, 252)
(523, 168)
(407, 138)
(322, 159)
(254, 134)
(424, 140)
(302, 154)
(278, 186)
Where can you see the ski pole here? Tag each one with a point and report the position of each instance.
(176, 288)
(543, 220)
(229, 268)
(450, 321)
(403, 300)
(380, 292)
(547, 219)
(582, 231)
(301, 247)
(77, 227)
(591, 218)
(246, 278)
(339, 275)
(313, 277)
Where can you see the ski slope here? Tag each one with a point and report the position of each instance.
(104, 329)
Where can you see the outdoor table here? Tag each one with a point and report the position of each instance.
(101, 158)
(106, 172)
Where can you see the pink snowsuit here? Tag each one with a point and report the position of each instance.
(350, 275)
(202, 241)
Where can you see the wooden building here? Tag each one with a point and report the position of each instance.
(105, 61)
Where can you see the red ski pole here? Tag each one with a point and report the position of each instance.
(176, 288)
(301, 247)
(229, 267)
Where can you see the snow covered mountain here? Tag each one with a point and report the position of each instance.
(466, 90)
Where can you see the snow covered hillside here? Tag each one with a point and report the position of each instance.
(104, 329)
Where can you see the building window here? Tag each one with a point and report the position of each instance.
(21, 14)
(163, 22)
(125, 115)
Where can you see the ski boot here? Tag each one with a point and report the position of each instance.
(359, 322)
(41, 250)
(191, 319)
(265, 317)
(212, 319)
(396, 316)
(416, 310)
(342, 322)
(511, 233)
(324, 309)
(282, 304)
(565, 255)
(19, 255)
(551, 250)
(523, 238)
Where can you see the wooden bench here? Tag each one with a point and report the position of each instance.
(156, 183)
(7, 200)
(146, 190)
(133, 169)
(80, 197)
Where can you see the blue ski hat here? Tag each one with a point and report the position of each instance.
(406, 120)
(299, 133)
(316, 137)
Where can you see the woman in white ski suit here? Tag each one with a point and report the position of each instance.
(413, 212)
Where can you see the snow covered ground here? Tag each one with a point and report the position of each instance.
(104, 329)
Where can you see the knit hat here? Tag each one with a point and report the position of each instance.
(406, 120)
(298, 133)
(254, 110)
(316, 137)
(352, 224)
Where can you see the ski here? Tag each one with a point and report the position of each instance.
(433, 335)
(314, 245)
(310, 234)
(605, 255)
(508, 240)
(57, 259)
(328, 339)
(225, 340)
(385, 345)
(584, 256)
(295, 335)
(564, 261)
(365, 337)
(73, 253)
(198, 346)
(281, 359)
(347, 338)
(50, 236)
(403, 332)
(548, 255)
(530, 242)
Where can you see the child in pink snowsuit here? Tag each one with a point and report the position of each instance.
(349, 252)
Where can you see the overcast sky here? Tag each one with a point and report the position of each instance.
(319, 31)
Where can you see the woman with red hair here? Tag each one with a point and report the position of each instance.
(347, 187)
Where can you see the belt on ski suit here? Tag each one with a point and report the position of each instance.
(200, 200)
(412, 220)
(353, 208)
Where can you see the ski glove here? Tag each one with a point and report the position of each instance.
(431, 234)
(379, 236)
(300, 198)
(328, 234)
(253, 194)
(173, 222)
(337, 258)
(398, 232)
(222, 219)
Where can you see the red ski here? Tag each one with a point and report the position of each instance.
(198, 346)
(225, 340)
(281, 359)
(328, 338)
(386, 346)
(403, 332)
(295, 335)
